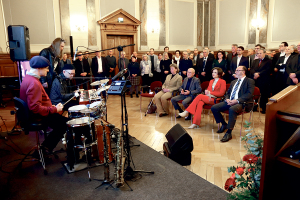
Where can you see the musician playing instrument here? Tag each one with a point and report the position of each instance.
(39, 104)
(62, 89)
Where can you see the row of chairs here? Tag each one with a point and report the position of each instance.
(256, 98)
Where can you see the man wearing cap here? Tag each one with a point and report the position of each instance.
(62, 89)
(39, 104)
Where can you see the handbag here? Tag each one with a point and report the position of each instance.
(151, 108)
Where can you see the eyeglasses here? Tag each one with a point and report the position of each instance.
(71, 74)
(238, 70)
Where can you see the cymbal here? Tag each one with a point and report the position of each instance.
(104, 81)
(88, 110)
(103, 88)
(96, 83)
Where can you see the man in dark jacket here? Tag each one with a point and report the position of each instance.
(62, 89)
(204, 67)
(82, 70)
(100, 66)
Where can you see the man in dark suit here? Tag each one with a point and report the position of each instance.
(293, 69)
(281, 52)
(254, 56)
(82, 69)
(188, 90)
(260, 73)
(204, 67)
(238, 60)
(233, 54)
(240, 91)
(210, 55)
(280, 72)
(100, 66)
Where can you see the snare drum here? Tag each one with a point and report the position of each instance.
(100, 143)
(75, 111)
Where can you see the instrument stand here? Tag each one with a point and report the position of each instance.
(129, 173)
(106, 180)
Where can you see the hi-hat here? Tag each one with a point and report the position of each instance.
(104, 81)
(96, 83)
(88, 110)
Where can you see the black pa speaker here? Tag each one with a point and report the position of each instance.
(19, 42)
(179, 145)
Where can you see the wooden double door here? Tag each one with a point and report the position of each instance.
(116, 40)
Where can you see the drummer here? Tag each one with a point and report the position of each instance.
(62, 88)
(39, 104)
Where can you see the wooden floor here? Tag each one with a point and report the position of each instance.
(210, 157)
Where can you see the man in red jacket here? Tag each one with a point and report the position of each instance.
(39, 104)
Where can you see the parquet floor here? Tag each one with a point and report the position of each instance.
(210, 157)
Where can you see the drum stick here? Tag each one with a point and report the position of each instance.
(68, 100)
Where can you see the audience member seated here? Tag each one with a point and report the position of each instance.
(134, 76)
(185, 64)
(188, 91)
(238, 60)
(81, 70)
(293, 68)
(39, 104)
(204, 67)
(280, 72)
(62, 89)
(260, 73)
(146, 72)
(216, 88)
(240, 91)
(172, 83)
(165, 67)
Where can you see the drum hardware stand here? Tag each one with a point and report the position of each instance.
(106, 180)
(129, 172)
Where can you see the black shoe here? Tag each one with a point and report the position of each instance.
(178, 116)
(188, 117)
(137, 96)
(131, 96)
(222, 129)
(226, 137)
(263, 112)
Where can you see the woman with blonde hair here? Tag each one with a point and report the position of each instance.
(146, 73)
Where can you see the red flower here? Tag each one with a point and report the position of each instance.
(240, 170)
(250, 158)
(230, 184)
(232, 175)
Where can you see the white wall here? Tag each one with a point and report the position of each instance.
(108, 6)
(153, 24)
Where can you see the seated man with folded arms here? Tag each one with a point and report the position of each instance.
(62, 89)
(39, 104)
(188, 91)
(240, 91)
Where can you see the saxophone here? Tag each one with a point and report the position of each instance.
(120, 160)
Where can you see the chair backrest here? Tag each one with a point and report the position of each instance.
(256, 94)
(204, 85)
(227, 86)
(22, 112)
(155, 85)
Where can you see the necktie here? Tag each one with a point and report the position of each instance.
(259, 63)
(235, 89)
(204, 62)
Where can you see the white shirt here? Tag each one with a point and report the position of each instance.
(282, 54)
(238, 89)
(284, 62)
(238, 60)
(99, 65)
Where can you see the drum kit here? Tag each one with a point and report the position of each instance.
(90, 136)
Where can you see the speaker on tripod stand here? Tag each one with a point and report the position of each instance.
(179, 145)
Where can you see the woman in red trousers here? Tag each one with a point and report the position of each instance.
(216, 88)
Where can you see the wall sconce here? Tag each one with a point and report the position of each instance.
(79, 23)
(153, 26)
(257, 23)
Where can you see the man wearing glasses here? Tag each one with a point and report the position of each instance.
(62, 89)
(240, 91)
(82, 70)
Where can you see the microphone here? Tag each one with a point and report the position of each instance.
(75, 53)
(121, 73)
